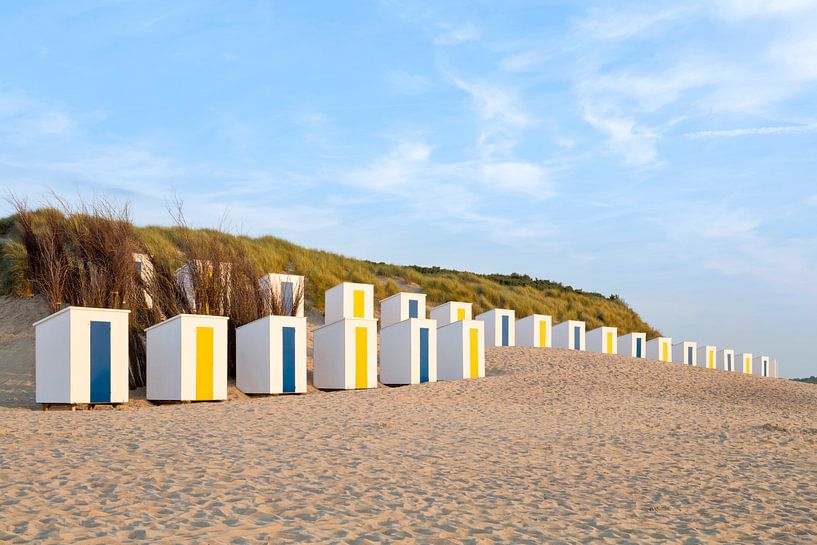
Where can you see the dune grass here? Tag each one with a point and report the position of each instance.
(324, 269)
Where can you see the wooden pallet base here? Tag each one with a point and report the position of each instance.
(183, 401)
(77, 406)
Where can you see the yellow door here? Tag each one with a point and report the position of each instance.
(747, 365)
(361, 357)
(665, 346)
(711, 359)
(474, 352)
(358, 304)
(609, 342)
(460, 314)
(543, 333)
(204, 363)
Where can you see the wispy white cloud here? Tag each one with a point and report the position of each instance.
(753, 131)
(626, 138)
(519, 177)
(501, 116)
(745, 9)
(454, 195)
(407, 83)
(730, 240)
(409, 169)
(796, 53)
(521, 61)
(617, 23)
(493, 102)
(455, 34)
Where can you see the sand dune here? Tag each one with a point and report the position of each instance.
(551, 446)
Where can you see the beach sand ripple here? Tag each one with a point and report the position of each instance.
(552, 446)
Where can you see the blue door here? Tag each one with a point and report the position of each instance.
(638, 347)
(413, 312)
(423, 354)
(765, 368)
(100, 362)
(505, 327)
(288, 336)
(689, 355)
(729, 362)
(577, 340)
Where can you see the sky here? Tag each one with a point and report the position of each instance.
(662, 151)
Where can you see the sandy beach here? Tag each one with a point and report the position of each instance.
(552, 446)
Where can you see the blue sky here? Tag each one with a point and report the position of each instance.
(664, 151)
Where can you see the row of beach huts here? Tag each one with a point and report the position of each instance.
(82, 353)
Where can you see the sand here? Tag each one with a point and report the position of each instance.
(552, 446)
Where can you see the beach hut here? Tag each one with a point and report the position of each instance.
(81, 356)
(775, 369)
(660, 348)
(726, 360)
(569, 334)
(534, 330)
(144, 270)
(283, 294)
(603, 340)
(402, 306)
(345, 348)
(271, 351)
(500, 327)
(461, 350)
(408, 341)
(450, 312)
(685, 352)
(760, 366)
(743, 363)
(633, 345)
(349, 300)
(271, 355)
(198, 268)
(707, 357)
(187, 358)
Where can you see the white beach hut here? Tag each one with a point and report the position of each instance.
(461, 350)
(271, 355)
(349, 300)
(344, 355)
(187, 358)
(145, 272)
(400, 307)
(271, 351)
(761, 366)
(408, 341)
(288, 289)
(450, 312)
(660, 348)
(743, 363)
(81, 356)
(633, 345)
(707, 357)
(603, 340)
(500, 327)
(569, 334)
(685, 352)
(185, 276)
(534, 330)
(344, 350)
(726, 360)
